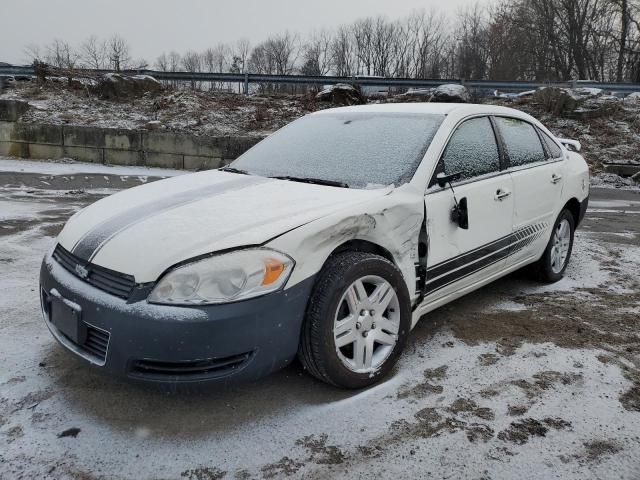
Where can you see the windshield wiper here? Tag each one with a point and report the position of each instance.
(233, 170)
(317, 181)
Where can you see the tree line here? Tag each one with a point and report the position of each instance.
(543, 40)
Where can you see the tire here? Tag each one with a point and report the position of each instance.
(549, 269)
(335, 296)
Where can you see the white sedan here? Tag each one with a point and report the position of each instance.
(327, 241)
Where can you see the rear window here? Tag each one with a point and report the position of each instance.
(521, 141)
(552, 147)
(359, 149)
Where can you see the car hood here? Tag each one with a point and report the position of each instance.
(145, 230)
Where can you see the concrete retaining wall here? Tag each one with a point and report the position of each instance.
(115, 146)
(623, 169)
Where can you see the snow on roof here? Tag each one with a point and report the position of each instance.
(461, 109)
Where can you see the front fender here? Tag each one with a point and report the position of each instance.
(392, 222)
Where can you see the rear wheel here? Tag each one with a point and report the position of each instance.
(357, 321)
(553, 263)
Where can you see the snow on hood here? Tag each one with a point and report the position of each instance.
(145, 230)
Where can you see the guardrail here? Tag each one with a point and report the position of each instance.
(250, 78)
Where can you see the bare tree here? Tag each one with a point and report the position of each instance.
(93, 53)
(61, 55)
(208, 58)
(240, 58)
(317, 55)
(259, 60)
(342, 52)
(162, 62)
(622, 46)
(363, 36)
(216, 60)
(34, 53)
(118, 53)
(507, 39)
(277, 55)
(383, 37)
(283, 50)
(428, 30)
(471, 42)
(242, 50)
(192, 63)
(174, 60)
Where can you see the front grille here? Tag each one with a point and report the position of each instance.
(96, 343)
(177, 371)
(115, 283)
(95, 346)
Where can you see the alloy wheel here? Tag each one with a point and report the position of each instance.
(560, 246)
(366, 324)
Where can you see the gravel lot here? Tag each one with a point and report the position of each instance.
(515, 380)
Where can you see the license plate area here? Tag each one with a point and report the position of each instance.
(67, 318)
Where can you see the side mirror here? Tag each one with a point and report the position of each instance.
(442, 178)
(460, 214)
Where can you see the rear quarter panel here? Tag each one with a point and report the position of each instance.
(576, 178)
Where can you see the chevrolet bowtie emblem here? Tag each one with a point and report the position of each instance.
(81, 271)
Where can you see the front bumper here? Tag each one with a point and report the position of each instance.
(176, 345)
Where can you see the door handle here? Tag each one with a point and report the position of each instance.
(501, 194)
(555, 178)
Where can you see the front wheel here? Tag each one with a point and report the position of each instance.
(553, 263)
(357, 321)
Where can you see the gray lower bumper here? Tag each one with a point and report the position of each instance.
(155, 343)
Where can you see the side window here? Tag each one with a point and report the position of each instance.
(521, 141)
(472, 150)
(552, 147)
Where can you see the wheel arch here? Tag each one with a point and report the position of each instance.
(359, 245)
(573, 205)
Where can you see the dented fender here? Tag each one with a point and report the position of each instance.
(392, 222)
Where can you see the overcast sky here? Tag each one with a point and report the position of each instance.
(154, 26)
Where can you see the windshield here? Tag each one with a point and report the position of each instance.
(360, 150)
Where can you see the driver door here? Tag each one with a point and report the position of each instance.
(459, 257)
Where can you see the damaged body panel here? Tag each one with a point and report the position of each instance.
(391, 222)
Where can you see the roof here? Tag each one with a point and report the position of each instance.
(428, 108)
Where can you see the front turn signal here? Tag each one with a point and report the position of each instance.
(272, 271)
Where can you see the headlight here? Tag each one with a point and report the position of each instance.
(224, 278)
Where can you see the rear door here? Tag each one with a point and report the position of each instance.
(460, 257)
(535, 161)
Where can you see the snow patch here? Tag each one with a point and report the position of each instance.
(70, 167)
(611, 180)
(586, 268)
(507, 306)
(17, 210)
(613, 203)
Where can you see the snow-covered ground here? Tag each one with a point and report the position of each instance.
(611, 180)
(517, 380)
(197, 112)
(70, 168)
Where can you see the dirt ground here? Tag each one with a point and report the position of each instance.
(517, 380)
